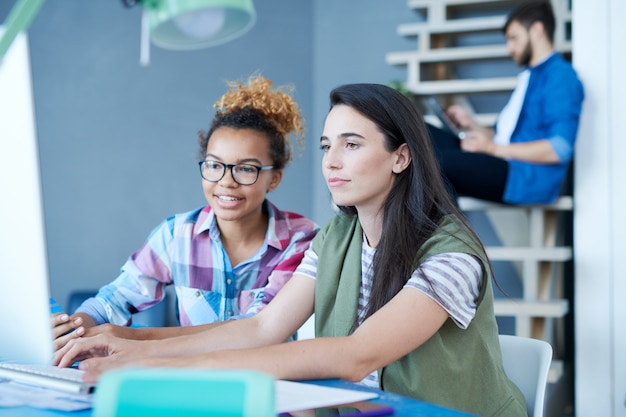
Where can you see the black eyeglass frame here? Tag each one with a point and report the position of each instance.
(230, 167)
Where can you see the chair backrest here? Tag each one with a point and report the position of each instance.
(184, 393)
(527, 363)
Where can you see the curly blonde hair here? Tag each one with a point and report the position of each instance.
(259, 107)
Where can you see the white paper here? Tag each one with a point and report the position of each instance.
(295, 396)
(290, 396)
(15, 394)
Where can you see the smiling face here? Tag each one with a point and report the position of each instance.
(231, 201)
(358, 168)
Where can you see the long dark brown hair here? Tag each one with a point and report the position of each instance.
(418, 199)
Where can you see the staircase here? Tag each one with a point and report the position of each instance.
(461, 32)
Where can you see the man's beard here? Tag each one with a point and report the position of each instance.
(526, 55)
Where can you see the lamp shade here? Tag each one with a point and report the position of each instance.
(194, 24)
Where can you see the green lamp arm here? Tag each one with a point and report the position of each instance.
(20, 17)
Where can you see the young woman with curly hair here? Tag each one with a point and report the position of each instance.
(228, 258)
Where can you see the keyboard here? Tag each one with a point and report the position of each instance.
(49, 376)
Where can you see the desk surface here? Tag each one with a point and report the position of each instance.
(403, 406)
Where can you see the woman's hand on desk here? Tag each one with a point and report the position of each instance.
(91, 352)
(66, 327)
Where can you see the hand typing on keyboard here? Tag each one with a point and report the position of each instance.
(103, 352)
(66, 327)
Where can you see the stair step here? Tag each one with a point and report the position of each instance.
(565, 202)
(525, 253)
(485, 119)
(465, 86)
(420, 4)
(466, 53)
(480, 24)
(517, 307)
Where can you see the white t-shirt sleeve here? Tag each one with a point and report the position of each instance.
(453, 281)
(308, 265)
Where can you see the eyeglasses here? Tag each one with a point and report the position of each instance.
(243, 174)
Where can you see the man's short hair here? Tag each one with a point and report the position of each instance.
(529, 13)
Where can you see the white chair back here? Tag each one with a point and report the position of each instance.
(527, 363)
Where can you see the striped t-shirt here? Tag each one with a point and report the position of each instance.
(451, 279)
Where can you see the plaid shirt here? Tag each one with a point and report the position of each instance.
(185, 250)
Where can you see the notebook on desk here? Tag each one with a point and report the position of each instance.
(25, 329)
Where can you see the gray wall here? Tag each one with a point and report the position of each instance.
(118, 141)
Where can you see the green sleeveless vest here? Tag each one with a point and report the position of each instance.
(455, 368)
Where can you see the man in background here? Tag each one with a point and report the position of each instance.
(524, 159)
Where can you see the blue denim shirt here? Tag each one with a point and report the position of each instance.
(551, 110)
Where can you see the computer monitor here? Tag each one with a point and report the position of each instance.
(25, 328)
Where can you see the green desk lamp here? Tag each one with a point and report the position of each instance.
(172, 24)
(194, 24)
